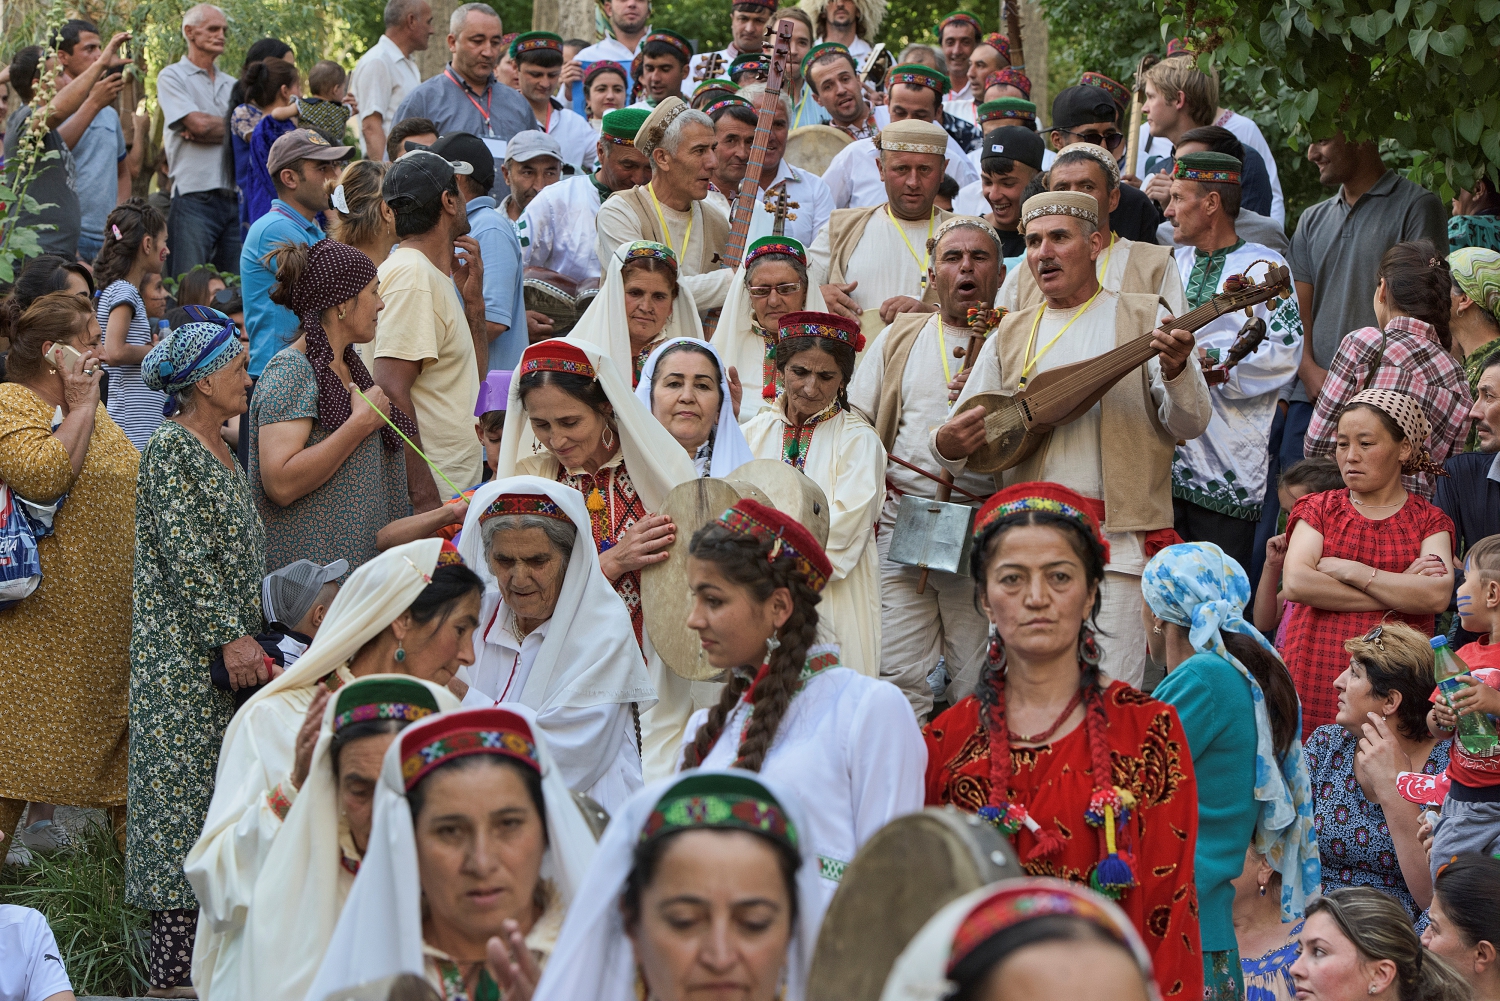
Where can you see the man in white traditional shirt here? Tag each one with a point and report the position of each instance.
(1121, 449)
(561, 220)
(991, 55)
(673, 209)
(387, 72)
(902, 388)
(538, 59)
(734, 126)
(664, 68)
(850, 23)
(958, 34)
(533, 162)
(628, 23)
(748, 23)
(1219, 479)
(915, 94)
(833, 77)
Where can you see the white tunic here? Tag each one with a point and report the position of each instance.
(594, 746)
(1110, 268)
(579, 141)
(814, 206)
(847, 461)
(1245, 130)
(609, 48)
(886, 262)
(859, 48)
(564, 237)
(617, 223)
(854, 179)
(849, 748)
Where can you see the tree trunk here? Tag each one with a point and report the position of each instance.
(432, 60)
(568, 18)
(1034, 38)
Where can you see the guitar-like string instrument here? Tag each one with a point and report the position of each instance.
(744, 201)
(777, 203)
(1011, 11)
(711, 68)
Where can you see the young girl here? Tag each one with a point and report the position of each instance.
(135, 246)
(274, 86)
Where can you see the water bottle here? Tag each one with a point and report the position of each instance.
(1475, 731)
(163, 328)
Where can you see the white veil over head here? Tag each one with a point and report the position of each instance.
(606, 323)
(730, 450)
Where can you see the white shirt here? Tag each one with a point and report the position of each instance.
(617, 223)
(31, 966)
(859, 48)
(814, 206)
(609, 48)
(1245, 130)
(560, 222)
(380, 82)
(854, 179)
(579, 141)
(883, 262)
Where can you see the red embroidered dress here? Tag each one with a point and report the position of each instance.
(1054, 783)
(613, 506)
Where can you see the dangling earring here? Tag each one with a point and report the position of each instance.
(1088, 646)
(1262, 889)
(772, 645)
(608, 437)
(536, 448)
(996, 646)
(400, 652)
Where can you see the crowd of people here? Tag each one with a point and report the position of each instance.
(547, 561)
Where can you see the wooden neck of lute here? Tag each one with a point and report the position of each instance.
(744, 201)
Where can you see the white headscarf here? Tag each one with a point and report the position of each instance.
(589, 656)
(730, 451)
(655, 461)
(379, 933)
(593, 958)
(300, 892)
(606, 324)
(739, 345)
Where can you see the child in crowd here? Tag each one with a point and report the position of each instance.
(294, 601)
(31, 966)
(327, 111)
(135, 248)
(1310, 476)
(154, 295)
(489, 418)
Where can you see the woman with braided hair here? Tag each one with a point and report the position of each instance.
(1093, 781)
(846, 744)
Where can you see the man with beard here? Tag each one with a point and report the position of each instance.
(850, 23)
(1121, 449)
(465, 96)
(748, 22)
(958, 34)
(903, 389)
(734, 126)
(533, 162)
(1470, 493)
(628, 21)
(833, 75)
(661, 69)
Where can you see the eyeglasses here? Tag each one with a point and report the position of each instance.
(785, 289)
(1109, 140)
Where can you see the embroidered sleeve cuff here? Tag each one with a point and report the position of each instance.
(280, 799)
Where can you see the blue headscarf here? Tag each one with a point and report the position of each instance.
(1196, 586)
(191, 352)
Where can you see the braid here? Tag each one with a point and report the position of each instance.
(1095, 720)
(774, 692)
(991, 695)
(708, 733)
(135, 220)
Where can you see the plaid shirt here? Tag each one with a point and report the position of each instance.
(1413, 363)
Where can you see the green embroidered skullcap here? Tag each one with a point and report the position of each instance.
(1214, 168)
(826, 49)
(403, 699)
(670, 38)
(917, 75)
(961, 17)
(622, 124)
(719, 802)
(775, 245)
(1007, 109)
(749, 61)
(717, 83)
(535, 41)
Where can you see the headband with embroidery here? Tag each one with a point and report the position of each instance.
(831, 326)
(1071, 203)
(1105, 157)
(1214, 168)
(719, 802)
(729, 102)
(775, 245)
(535, 41)
(673, 39)
(520, 504)
(962, 222)
(824, 49)
(1012, 108)
(463, 732)
(382, 698)
(917, 75)
(912, 135)
(749, 62)
(789, 538)
(1047, 498)
(449, 556)
(716, 83)
(642, 249)
(556, 356)
(960, 17)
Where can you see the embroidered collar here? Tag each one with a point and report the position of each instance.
(1208, 268)
(820, 657)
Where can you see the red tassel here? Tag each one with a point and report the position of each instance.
(1047, 843)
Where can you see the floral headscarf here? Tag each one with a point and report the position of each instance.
(1477, 272)
(1196, 586)
(192, 352)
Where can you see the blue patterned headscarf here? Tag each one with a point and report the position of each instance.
(191, 352)
(1196, 586)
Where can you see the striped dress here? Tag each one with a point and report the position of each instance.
(135, 408)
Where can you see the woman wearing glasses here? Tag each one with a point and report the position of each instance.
(1367, 834)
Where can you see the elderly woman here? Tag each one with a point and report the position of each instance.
(811, 428)
(1367, 834)
(553, 636)
(1031, 750)
(686, 388)
(707, 877)
(1021, 939)
(405, 612)
(477, 847)
(329, 473)
(200, 557)
(1356, 936)
(65, 646)
(639, 306)
(1239, 709)
(1354, 556)
(572, 416)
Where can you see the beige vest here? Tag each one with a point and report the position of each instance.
(715, 227)
(898, 344)
(1136, 450)
(1144, 271)
(846, 227)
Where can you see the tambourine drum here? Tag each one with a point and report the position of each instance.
(400, 987)
(813, 147)
(907, 872)
(789, 491)
(593, 814)
(557, 296)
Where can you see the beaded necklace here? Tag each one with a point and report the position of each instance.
(796, 439)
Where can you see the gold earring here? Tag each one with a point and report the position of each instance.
(341, 313)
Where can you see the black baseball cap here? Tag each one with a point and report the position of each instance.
(1082, 105)
(420, 178)
(1014, 142)
(465, 147)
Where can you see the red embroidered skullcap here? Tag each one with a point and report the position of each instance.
(1049, 498)
(461, 732)
(449, 556)
(556, 355)
(810, 323)
(758, 521)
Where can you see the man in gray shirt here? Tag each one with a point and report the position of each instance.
(204, 224)
(96, 137)
(466, 97)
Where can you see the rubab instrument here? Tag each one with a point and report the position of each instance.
(744, 202)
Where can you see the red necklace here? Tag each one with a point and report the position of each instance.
(1073, 703)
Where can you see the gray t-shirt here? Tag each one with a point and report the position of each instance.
(54, 183)
(182, 88)
(97, 155)
(494, 115)
(1337, 249)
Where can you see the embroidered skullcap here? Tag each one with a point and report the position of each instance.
(1046, 498)
(462, 732)
(1007, 110)
(912, 135)
(717, 83)
(654, 129)
(192, 352)
(749, 62)
(962, 222)
(554, 355)
(647, 249)
(1208, 166)
(1477, 272)
(1408, 415)
(825, 49)
(998, 42)
(507, 38)
(790, 539)
(727, 101)
(829, 326)
(1010, 77)
(1104, 156)
(917, 75)
(1073, 203)
(1114, 88)
(507, 505)
(622, 125)
(960, 17)
(448, 554)
(719, 802)
(767, 4)
(603, 66)
(403, 699)
(535, 41)
(775, 245)
(664, 37)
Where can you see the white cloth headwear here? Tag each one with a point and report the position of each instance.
(589, 656)
(606, 323)
(730, 450)
(593, 958)
(655, 461)
(379, 933)
(300, 892)
(739, 345)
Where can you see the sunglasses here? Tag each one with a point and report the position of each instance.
(1109, 140)
(785, 289)
(1373, 636)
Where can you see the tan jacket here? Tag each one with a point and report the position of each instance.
(715, 227)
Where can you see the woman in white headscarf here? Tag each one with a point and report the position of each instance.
(639, 306)
(688, 390)
(553, 636)
(426, 901)
(702, 833)
(311, 866)
(402, 612)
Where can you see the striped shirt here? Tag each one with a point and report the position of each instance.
(135, 408)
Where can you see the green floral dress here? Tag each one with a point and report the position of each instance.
(200, 557)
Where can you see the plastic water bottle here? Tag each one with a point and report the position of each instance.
(1475, 731)
(163, 329)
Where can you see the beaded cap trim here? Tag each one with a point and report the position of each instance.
(922, 77)
(744, 523)
(524, 44)
(727, 102)
(989, 515)
(423, 758)
(771, 245)
(995, 114)
(672, 40)
(827, 330)
(1059, 209)
(720, 802)
(1115, 89)
(380, 710)
(555, 356)
(647, 248)
(519, 504)
(1186, 173)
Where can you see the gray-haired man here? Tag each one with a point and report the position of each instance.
(387, 73)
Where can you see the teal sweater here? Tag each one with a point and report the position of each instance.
(1212, 699)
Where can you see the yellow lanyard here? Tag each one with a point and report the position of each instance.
(666, 234)
(921, 261)
(800, 105)
(1031, 342)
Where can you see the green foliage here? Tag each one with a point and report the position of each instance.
(19, 242)
(229, 278)
(82, 894)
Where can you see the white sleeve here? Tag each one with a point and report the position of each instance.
(821, 207)
(370, 83)
(709, 289)
(1171, 289)
(888, 761)
(820, 258)
(858, 492)
(958, 166)
(39, 961)
(537, 252)
(1182, 405)
(837, 176)
(1009, 297)
(864, 388)
(172, 96)
(984, 377)
(585, 742)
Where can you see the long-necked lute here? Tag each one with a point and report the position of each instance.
(1015, 426)
(744, 201)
